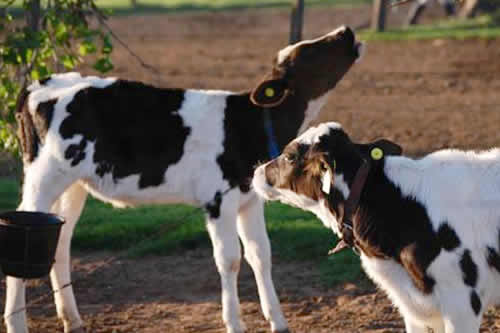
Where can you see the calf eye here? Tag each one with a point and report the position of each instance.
(290, 158)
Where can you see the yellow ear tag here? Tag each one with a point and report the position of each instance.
(377, 154)
(334, 165)
(269, 92)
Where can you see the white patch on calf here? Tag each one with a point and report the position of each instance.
(59, 85)
(313, 134)
(313, 108)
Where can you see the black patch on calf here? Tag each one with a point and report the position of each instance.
(469, 269)
(475, 302)
(134, 126)
(76, 152)
(245, 139)
(43, 117)
(33, 127)
(447, 237)
(44, 80)
(493, 258)
(213, 207)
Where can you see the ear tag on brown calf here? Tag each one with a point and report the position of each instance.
(269, 92)
(326, 181)
(377, 153)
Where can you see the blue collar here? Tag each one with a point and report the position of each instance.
(272, 146)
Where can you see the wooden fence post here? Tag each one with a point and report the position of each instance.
(297, 21)
(379, 15)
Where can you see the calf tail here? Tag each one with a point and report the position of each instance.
(26, 132)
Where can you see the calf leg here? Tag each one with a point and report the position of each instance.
(227, 254)
(70, 206)
(44, 183)
(253, 234)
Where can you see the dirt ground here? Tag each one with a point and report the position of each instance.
(425, 95)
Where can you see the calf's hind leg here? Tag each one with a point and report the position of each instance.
(69, 206)
(44, 182)
(221, 226)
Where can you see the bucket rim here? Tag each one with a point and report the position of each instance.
(32, 219)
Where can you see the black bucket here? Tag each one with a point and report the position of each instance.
(28, 243)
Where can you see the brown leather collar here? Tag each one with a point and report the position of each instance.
(350, 207)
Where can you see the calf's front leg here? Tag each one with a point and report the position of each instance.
(253, 234)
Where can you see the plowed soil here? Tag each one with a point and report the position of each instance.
(424, 95)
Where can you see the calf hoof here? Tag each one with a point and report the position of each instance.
(286, 330)
(78, 330)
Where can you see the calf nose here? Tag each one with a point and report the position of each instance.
(271, 174)
(347, 34)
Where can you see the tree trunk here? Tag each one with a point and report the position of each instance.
(33, 14)
(133, 3)
(379, 15)
(297, 22)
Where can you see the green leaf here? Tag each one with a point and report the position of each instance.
(61, 33)
(87, 47)
(107, 46)
(103, 65)
(69, 61)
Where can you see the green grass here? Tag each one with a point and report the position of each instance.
(295, 235)
(486, 26)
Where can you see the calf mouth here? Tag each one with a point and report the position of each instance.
(261, 186)
(359, 50)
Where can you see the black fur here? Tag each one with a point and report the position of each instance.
(475, 302)
(44, 80)
(134, 128)
(213, 207)
(246, 142)
(43, 117)
(26, 128)
(493, 258)
(448, 238)
(469, 269)
(76, 152)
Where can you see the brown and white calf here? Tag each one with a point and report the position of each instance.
(427, 230)
(128, 143)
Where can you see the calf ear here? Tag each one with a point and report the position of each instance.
(269, 93)
(388, 147)
(378, 149)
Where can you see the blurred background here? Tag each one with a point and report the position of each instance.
(430, 79)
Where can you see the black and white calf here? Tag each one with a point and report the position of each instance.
(128, 143)
(427, 230)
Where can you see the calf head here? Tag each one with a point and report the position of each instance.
(316, 171)
(308, 69)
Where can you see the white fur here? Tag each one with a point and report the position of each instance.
(313, 109)
(461, 188)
